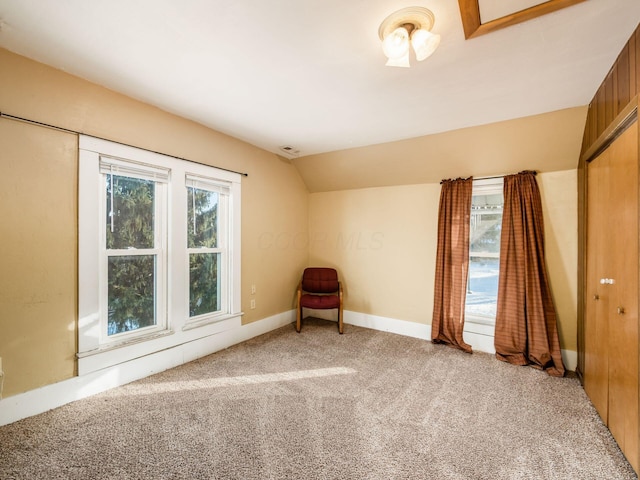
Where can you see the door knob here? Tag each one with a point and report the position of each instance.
(620, 310)
(596, 297)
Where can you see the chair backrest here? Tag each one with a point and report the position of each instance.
(320, 280)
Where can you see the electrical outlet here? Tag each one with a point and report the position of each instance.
(253, 289)
(253, 304)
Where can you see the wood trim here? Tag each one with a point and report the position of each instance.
(582, 267)
(619, 88)
(623, 120)
(637, 105)
(615, 128)
(473, 27)
(625, 98)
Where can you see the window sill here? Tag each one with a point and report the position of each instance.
(125, 343)
(210, 320)
(154, 344)
(480, 325)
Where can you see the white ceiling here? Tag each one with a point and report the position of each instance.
(310, 73)
(494, 9)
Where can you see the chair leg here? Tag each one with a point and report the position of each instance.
(340, 326)
(298, 319)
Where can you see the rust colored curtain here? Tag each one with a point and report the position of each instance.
(452, 263)
(526, 326)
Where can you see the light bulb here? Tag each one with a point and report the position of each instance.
(396, 44)
(424, 43)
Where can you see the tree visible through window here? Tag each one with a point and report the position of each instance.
(130, 242)
(484, 251)
(158, 253)
(204, 254)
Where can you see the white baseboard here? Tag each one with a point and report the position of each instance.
(570, 359)
(55, 395)
(391, 325)
(327, 314)
(52, 396)
(478, 341)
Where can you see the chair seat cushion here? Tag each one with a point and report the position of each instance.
(319, 301)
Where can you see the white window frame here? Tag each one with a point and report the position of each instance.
(114, 166)
(481, 324)
(95, 350)
(223, 189)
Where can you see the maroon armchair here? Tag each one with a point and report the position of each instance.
(319, 289)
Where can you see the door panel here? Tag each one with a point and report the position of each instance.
(611, 312)
(623, 306)
(596, 372)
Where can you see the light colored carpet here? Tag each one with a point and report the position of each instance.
(318, 405)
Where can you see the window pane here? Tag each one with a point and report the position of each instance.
(203, 283)
(484, 255)
(486, 223)
(202, 211)
(482, 290)
(132, 200)
(131, 296)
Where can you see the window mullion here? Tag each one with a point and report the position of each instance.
(484, 254)
(127, 252)
(204, 250)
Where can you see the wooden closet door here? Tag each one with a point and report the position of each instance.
(623, 297)
(611, 316)
(596, 368)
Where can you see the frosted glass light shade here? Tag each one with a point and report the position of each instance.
(399, 62)
(396, 44)
(424, 43)
(409, 26)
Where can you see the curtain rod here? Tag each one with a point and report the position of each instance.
(75, 132)
(489, 178)
(533, 172)
(496, 176)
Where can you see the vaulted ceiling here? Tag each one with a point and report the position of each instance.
(311, 73)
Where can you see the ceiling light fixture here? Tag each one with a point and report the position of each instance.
(411, 25)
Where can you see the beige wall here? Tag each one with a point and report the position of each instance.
(383, 242)
(559, 192)
(38, 245)
(38, 210)
(547, 142)
(381, 239)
